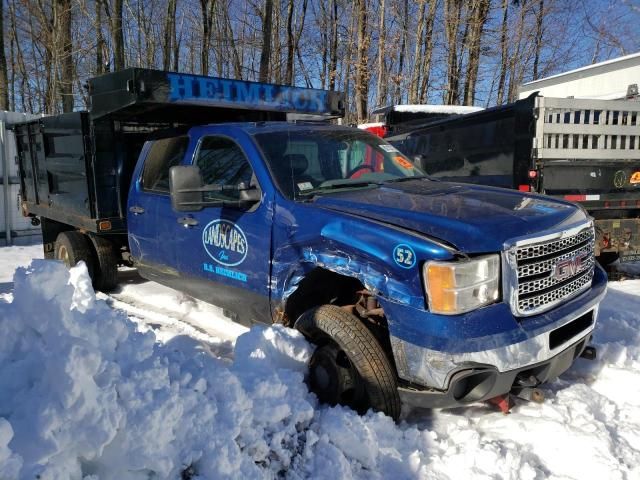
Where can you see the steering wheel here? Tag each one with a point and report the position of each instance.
(355, 170)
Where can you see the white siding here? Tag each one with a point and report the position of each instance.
(606, 80)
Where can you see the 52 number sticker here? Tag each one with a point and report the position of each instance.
(404, 256)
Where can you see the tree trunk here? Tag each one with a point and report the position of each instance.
(504, 53)
(333, 54)
(169, 34)
(237, 64)
(401, 55)
(288, 77)
(381, 88)
(206, 10)
(323, 26)
(515, 57)
(102, 65)
(417, 56)
(479, 13)
(362, 73)
(4, 80)
(538, 39)
(64, 52)
(428, 52)
(117, 36)
(265, 54)
(453, 9)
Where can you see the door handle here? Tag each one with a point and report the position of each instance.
(187, 221)
(136, 210)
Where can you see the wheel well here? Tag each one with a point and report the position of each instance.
(321, 287)
(50, 231)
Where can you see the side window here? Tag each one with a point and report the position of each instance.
(222, 162)
(164, 154)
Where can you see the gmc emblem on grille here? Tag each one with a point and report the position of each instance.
(568, 267)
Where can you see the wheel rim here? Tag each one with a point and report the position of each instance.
(63, 254)
(333, 378)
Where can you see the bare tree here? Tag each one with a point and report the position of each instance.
(425, 66)
(381, 87)
(102, 55)
(478, 18)
(265, 54)
(452, 14)
(538, 38)
(504, 56)
(64, 52)
(333, 50)
(114, 14)
(169, 34)
(362, 62)
(206, 10)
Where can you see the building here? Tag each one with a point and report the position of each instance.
(614, 79)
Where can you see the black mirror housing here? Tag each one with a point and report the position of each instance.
(185, 186)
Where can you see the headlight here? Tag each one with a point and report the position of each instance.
(461, 286)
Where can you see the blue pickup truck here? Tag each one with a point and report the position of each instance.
(414, 291)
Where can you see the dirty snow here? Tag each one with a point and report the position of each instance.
(147, 383)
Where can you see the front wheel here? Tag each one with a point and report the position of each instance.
(348, 367)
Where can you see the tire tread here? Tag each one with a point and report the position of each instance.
(362, 348)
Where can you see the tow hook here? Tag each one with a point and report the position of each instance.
(589, 353)
(525, 388)
(530, 394)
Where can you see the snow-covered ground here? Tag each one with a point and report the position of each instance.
(147, 383)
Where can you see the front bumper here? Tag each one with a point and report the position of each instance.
(433, 353)
(483, 383)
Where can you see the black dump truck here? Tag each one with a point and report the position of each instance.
(585, 151)
(76, 168)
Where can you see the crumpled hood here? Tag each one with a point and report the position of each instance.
(473, 218)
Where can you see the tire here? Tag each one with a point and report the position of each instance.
(105, 277)
(72, 247)
(348, 367)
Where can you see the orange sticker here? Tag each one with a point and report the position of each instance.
(635, 178)
(403, 162)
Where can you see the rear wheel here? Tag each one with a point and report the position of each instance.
(105, 277)
(72, 247)
(348, 367)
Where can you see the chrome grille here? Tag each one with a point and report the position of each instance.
(551, 271)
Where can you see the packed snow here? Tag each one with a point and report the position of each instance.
(148, 383)
(418, 108)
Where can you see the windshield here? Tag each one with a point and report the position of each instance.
(309, 162)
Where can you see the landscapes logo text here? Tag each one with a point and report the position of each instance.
(225, 242)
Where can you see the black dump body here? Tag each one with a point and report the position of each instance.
(75, 168)
(490, 147)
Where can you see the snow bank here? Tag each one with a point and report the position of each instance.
(84, 393)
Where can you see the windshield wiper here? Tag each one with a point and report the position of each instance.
(338, 186)
(406, 179)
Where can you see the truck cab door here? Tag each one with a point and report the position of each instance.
(151, 221)
(224, 251)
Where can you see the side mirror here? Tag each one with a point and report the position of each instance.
(185, 187)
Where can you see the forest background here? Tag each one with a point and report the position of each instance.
(456, 52)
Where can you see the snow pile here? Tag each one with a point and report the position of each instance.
(85, 394)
